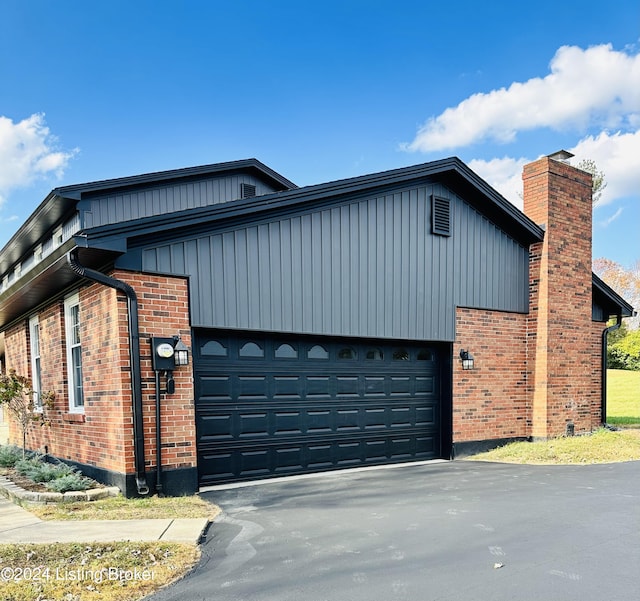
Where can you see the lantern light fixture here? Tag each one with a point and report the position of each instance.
(180, 352)
(467, 359)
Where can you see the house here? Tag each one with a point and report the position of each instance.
(405, 315)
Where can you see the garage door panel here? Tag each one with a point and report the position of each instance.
(242, 422)
(239, 462)
(315, 405)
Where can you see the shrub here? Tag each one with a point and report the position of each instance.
(9, 455)
(73, 481)
(625, 354)
(38, 470)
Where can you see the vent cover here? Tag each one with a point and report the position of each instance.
(440, 216)
(247, 190)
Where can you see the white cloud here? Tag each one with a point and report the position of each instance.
(505, 175)
(609, 220)
(28, 151)
(618, 156)
(585, 88)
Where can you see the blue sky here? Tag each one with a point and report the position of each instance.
(95, 90)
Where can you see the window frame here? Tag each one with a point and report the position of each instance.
(35, 354)
(69, 326)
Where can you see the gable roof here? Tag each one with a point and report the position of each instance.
(451, 171)
(610, 301)
(62, 201)
(100, 246)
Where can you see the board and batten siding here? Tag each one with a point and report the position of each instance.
(159, 200)
(367, 268)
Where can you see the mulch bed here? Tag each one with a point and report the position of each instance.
(23, 482)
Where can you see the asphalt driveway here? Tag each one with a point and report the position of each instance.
(455, 531)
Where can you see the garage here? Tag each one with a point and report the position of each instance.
(270, 405)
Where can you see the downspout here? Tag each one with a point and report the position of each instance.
(134, 357)
(605, 335)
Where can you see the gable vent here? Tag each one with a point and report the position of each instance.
(440, 216)
(247, 190)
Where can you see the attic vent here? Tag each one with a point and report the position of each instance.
(440, 216)
(247, 190)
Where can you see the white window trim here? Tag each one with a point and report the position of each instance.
(36, 383)
(69, 302)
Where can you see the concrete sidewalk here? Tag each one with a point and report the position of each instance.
(17, 525)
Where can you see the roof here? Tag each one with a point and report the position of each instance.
(609, 299)
(62, 201)
(101, 246)
(452, 172)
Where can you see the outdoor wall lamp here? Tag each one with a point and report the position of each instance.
(467, 359)
(180, 352)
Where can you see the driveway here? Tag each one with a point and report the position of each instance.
(454, 531)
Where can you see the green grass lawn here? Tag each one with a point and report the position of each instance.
(623, 397)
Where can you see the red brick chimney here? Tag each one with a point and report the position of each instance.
(561, 335)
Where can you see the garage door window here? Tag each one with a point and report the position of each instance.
(286, 351)
(213, 349)
(317, 352)
(251, 349)
(346, 353)
(400, 354)
(374, 354)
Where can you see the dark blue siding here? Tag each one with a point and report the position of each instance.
(366, 268)
(164, 199)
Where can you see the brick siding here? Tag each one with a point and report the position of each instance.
(492, 400)
(560, 327)
(103, 435)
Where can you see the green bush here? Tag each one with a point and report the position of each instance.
(9, 455)
(27, 467)
(38, 470)
(74, 481)
(625, 354)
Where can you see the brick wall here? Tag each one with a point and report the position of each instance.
(164, 312)
(559, 326)
(102, 436)
(491, 401)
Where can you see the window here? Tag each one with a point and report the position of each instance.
(317, 352)
(400, 354)
(374, 354)
(213, 348)
(251, 349)
(346, 353)
(36, 373)
(74, 353)
(424, 354)
(286, 351)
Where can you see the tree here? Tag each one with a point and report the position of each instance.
(17, 394)
(626, 282)
(599, 183)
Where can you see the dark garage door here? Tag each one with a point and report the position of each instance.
(271, 406)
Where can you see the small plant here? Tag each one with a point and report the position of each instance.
(38, 470)
(9, 455)
(73, 481)
(27, 466)
(17, 394)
